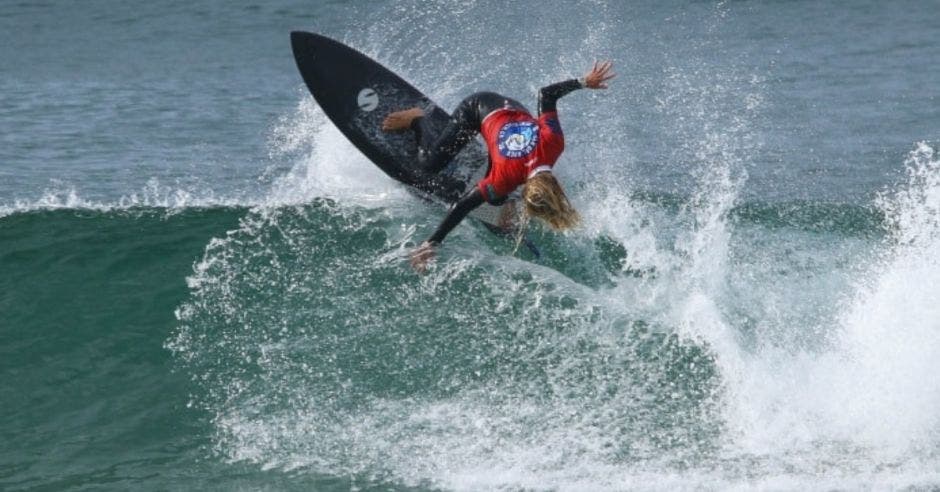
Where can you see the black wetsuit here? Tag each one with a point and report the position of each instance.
(463, 126)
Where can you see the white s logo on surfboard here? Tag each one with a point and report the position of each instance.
(368, 99)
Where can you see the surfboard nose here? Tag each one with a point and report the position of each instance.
(301, 42)
(312, 46)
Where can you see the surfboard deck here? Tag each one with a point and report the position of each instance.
(357, 93)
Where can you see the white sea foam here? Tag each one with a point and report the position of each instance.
(64, 196)
(327, 165)
(867, 397)
(891, 333)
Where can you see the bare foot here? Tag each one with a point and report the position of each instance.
(401, 120)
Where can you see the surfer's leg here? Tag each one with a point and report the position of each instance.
(438, 151)
(437, 156)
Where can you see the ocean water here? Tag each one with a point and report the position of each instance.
(203, 285)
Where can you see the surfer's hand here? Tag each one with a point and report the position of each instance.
(599, 75)
(421, 256)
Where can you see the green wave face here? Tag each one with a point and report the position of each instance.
(87, 299)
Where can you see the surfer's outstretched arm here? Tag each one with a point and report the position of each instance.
(549, 95)
(423, 254)
(596, 78)
(464, 206)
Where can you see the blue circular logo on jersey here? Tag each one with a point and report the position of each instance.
(518, 139)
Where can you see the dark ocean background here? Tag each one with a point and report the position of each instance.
(204, 286)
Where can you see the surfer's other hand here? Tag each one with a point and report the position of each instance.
(421, 256)
(401, 120)
(599, 75)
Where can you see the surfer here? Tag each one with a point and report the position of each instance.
(522, 150)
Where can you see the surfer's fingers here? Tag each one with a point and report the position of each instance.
(600, 70)
(420, 262)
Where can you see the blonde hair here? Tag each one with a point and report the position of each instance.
(543, 197)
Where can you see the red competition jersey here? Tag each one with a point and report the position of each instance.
(518, 145)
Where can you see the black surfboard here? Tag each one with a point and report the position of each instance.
(357, 93)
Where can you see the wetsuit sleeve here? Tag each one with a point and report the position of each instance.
(464, 206)
(549, 95)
